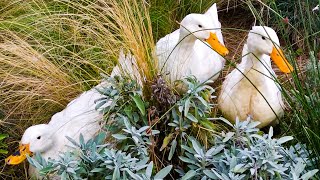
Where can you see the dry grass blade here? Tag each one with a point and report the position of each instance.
(122, 25)
(131, 25)
(31, 85)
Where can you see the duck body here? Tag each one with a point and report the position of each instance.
(251, 89)
(182, 53)
(79, 117)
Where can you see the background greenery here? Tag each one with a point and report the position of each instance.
(50, 51)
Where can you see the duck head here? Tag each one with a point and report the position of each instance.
(202, 27)
(36, 139)
(264, 40)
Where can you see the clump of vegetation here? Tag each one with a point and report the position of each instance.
(298, 22)
(299, 29)
(99, 161)
(243, 153)
(189, 142)
(30, 81)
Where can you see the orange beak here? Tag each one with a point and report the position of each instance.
(216, 45)
(280, 60)
(20, 155)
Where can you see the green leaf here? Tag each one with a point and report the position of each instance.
(299, 51)
(270, 132)
(35, 162)
(217, 174)
(100, 104)
(166, 141)
(186, 106)
(81, 139)
(309, 174)
(196, 146)
(64, 175)
(3, 136)
(187, 160)
(225, 121)
(126, 122)
(174, 114)
(258, 137)
(98, 170)
(116, 173)
(284, 139)
(140, 104)
(133, 175)
(210, 174)
(253, 124)
(100, 138)
(149, 170)
(113, 92)
(205, 103)
(214, 150)
(46, 170)
(191, 118)
(190, 174)
(142, 163)
(119, 136)
(239, 168)
(163, 173)
(190, 150)
(228, 136)
(208, 124)
(172, 149)
(128, 110)
(2, 151)
(73, 141)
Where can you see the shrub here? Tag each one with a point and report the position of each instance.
(93, 159)
(189, 141)
(244, 154)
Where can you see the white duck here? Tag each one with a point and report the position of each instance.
(80, 116)
(240, 97)
(182, 53)
(50, 139)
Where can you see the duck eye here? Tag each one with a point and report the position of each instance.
(39, 137)
(264, 38)
(200, 26)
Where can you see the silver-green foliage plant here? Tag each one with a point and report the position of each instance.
(122, 98)
(193, 109)
(245, 153)
(241, 153)
(139, 139)
(196, 101)
(95, 160)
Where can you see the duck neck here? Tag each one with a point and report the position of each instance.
(258, 62)
(186, 39)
